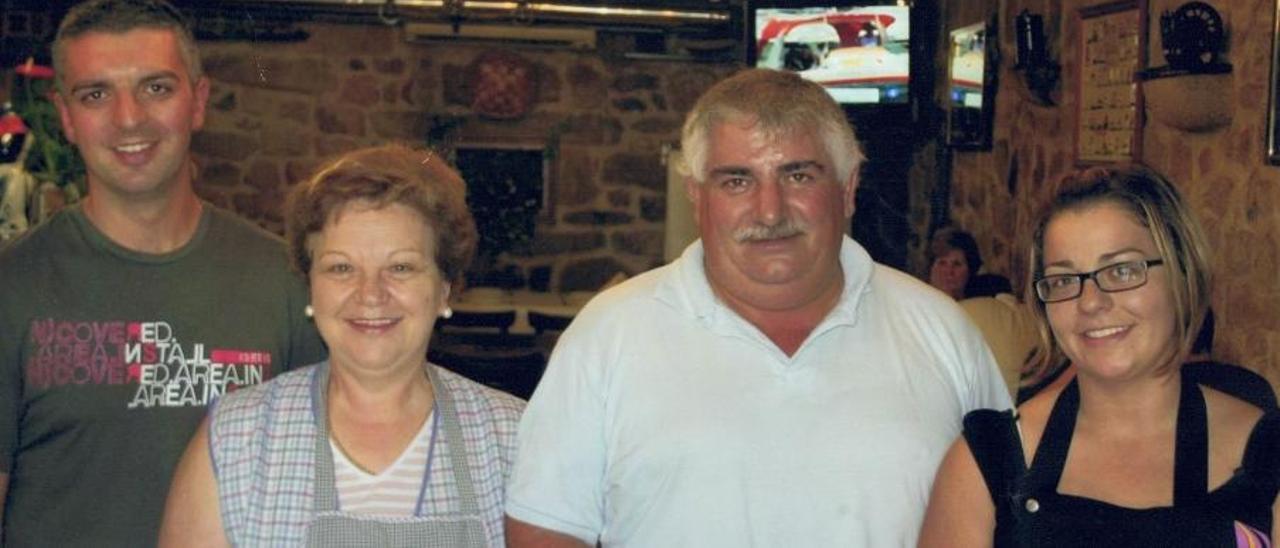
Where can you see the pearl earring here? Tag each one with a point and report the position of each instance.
(446, 313)
(309, 311)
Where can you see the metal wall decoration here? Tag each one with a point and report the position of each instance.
(1112, 50)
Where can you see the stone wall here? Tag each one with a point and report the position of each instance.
(1222, 172)
(277, 109)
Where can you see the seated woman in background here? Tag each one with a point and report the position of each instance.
(1006, 326)
(953, 259)
(1121, 454)
(375, 446)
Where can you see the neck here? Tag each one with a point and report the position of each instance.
(148, 226)
(1131, 407)
(785, 315)
(379, 399)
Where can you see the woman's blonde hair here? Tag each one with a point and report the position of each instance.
(1156, 205)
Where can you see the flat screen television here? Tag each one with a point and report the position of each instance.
(860, 51)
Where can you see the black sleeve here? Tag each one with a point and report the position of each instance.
(993, 439)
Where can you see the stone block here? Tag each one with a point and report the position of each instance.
(263, 206)
(223, 145)
(549, 83)
(575, 183)
(420, 89)
(658, 100)
(220, 174)
(340, 120)
(634, 169)
(620, 198)
(634, 81)
(288, 142)
(592, 129)
(295, 110)
(653, 208)
(306, 75)
(589, 274)
(559, 243)
(332, 145)
(410, 125)
(360, 89)
(296, 171)
(248, 124)
(629, 104)
(598, 218)
(339, 40)
(390, 65)
(587, 88)
(654, 125)
(264, 174)
(685, 86)
(456, 88)
(639, 242)
(224, 101)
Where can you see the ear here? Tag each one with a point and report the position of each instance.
(64, 116)
(201, 90)
(850, 195)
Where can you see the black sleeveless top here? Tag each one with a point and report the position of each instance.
(1030, 511)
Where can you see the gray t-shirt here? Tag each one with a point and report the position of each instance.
(108, 359)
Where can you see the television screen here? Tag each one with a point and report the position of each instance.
(860, 54)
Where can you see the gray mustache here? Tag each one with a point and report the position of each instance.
(784, 229)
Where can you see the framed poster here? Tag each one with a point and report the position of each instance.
(1109, 104)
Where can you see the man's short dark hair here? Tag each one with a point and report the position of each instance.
(120, 16)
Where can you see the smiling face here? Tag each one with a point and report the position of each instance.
(1120, 335)
(375, 287)
(771, 215)
(129, 106)
(950, 273)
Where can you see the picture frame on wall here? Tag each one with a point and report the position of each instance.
(1109, 114)
(1273, 104)
(971, 86)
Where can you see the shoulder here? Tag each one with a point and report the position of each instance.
(475, 399)
(249, 401)
(1233, 380)
(227, 228)
(908, 294)
(628, 305)
(1231, 420)
(992, 440)
(1033, 415)
(637, 291)
(36, 241)
(1262, 450)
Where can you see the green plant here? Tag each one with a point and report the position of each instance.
(52, 158)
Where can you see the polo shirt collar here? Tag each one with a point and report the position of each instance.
(687, 288)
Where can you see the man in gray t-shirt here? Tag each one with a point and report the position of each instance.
(123, 316)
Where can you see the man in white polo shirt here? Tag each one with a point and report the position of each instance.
(773, 386)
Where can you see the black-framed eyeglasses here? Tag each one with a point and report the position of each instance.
(1111, 278)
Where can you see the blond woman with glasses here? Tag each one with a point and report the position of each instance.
(1129, 451)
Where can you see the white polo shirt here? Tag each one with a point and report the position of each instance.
(665, 419)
